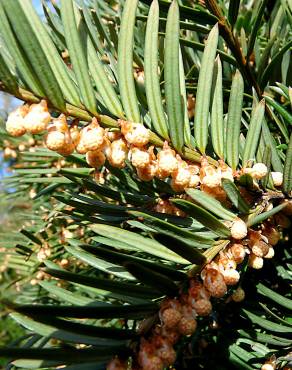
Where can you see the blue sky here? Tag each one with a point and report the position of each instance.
(38, 6)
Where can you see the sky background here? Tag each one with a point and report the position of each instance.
(38, 6)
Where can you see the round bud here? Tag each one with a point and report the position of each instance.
(255, 262)
(42, 255)
(13, 154)
(181, 177)
(225, 262)
(203, 307)
(277, 178)
(15, 121)
(214, 283)
(119, 144)
(38, 118)
(40, 275)
(34, 282)
(95, 159)
(135, 133)
(195, 178)
(238, 229)
(67, 150)
(140, 158)
(187, 326)
(58, 136)
(31, 141)
(147, 173)
(259, 171)
(15, 128)
(92, 136)
(117, 153)
(32, 193)
(171, 335)
(165, 351)
(212, 181)
(272, 235)
(268, 366)
(260, 249)
(170, 317)
(80, 147)
(197, 291)
(60, 124)
(212, 265)
(231, 277)
(166, 162)
(64, 262)
(55, 140)
(117, 158)
(238, 295)
(194, 169)
(206, 169)
(238, 252)
(271, 253)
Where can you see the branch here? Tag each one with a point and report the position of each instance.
(233, 45)
(107, 121)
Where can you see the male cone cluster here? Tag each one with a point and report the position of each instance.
(178, 316)
(32, 119)
(132, 142)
